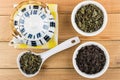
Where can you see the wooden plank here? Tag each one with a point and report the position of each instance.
(111, 32)
(5, 29)
(65, 6)
(56, 74)
(8, 56)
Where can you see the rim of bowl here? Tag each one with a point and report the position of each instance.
(91, 75)
(86, 3)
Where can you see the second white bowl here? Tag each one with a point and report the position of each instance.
(83, 4)
(93, 75)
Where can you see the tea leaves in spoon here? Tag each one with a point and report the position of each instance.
(30, 63)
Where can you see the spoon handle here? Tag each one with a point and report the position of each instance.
(64, 45)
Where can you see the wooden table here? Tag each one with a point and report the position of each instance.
(59, 67)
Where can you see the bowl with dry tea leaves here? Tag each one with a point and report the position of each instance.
(91, 60)
(89, 18)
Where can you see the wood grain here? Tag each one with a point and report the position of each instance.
(5, 29)
(8, 56)
(56, 74)
(111, 32)
(65, 6)
(59, 66)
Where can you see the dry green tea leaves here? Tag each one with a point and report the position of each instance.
(89, 18)
(30, 63)
(91, 59)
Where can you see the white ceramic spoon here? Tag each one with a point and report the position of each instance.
(45, 55)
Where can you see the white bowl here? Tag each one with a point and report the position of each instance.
(83, 4)
(92, 75)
